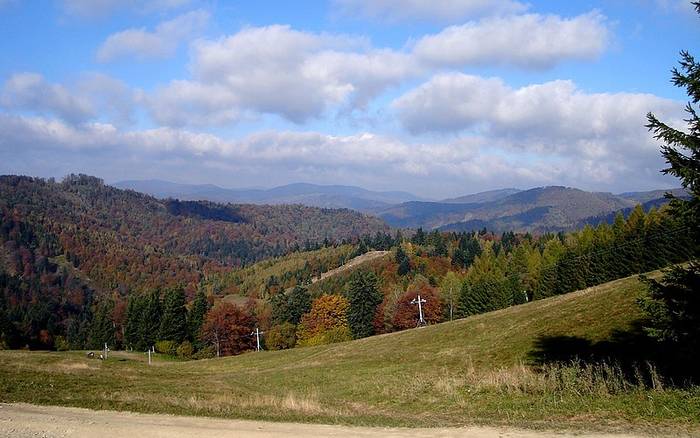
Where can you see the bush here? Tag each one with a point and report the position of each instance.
(331, 336)
(166, 347)
(185, 350)
(60, 343)
(205, 353)
(281, 337)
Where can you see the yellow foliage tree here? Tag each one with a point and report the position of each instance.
(326, 322)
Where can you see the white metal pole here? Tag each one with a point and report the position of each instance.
(420, 309)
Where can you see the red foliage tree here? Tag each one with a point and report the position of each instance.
(228, 327)
(406, 315)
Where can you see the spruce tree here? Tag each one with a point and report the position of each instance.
(364, 298)
(173, 324)
(673, 304)
(473, 300)
(195, 317)
(102, 330)
(403, 261)
(150, 321)
(132, 329)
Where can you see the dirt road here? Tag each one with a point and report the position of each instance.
(23, 420)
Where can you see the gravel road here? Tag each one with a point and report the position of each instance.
(23, 420)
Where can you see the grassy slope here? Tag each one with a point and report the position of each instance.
(455, 373)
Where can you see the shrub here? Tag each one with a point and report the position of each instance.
(281, 337)
(166, 347)
(331, 336)
(60, 343)
(185, 350)
(205, 353)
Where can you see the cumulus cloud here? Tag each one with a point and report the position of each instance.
(102, 8)
(301, 75)
(161, 43)
(31, 92)
(436, 10)
(529, 41)
(93, 96)
(597, 136)
(278, 70)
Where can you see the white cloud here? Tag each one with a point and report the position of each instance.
(529, 41)
(601, 135)
(113, 99)
(302, 75)
(464, 164)
(93, 96)
(433, 10)
(102, 8)
(278, 70)
(161, 43)
(31, 92)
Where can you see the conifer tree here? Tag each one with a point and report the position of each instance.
(674, 302)
(173, 325)
(195, 317)
(150, 320)
(403, 261)
(289, 307)
(132, 330)
(364, 298)
(102, 330)
(473, 300)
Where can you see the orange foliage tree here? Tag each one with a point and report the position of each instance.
(328, 312)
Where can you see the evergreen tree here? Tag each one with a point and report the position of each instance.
(364, 298)
(403, 261)
(150, 321)
(473, 300)
(132, 330)
(673, 304)
(173, 324)
(419, 237)
(195, 317)
(102, 330)
(440, 246)
(289, 307)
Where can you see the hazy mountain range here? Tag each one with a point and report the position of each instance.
(312, 195)
(551, 208)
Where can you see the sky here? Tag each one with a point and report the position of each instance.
(440, 97)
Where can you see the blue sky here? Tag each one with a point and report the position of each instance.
(441, 97)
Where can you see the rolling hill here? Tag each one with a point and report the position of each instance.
(498, 368)
(541, 209)
(124, 240)
(313, 195)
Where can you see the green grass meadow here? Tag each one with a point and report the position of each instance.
(491, 369)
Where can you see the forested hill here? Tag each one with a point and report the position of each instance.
(538, 210)
(119, 239)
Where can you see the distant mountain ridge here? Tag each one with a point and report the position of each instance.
(542, 209)
(312, 195)
(482, 197)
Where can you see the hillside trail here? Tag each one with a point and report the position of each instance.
(357, 261)
(25, 420)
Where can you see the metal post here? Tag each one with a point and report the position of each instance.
(257, 334)
(149, 356)
(450, 303)
(106, 349)
(420, 301)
